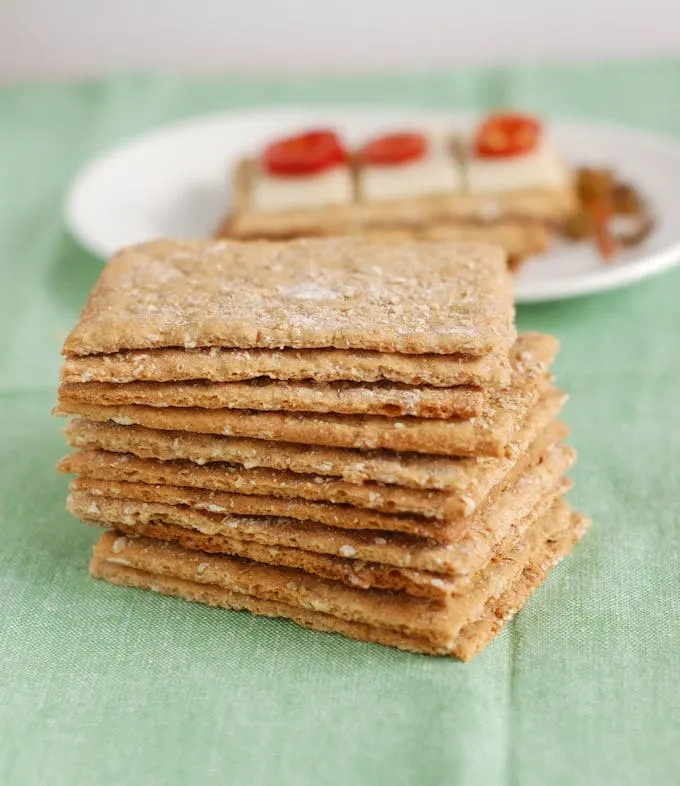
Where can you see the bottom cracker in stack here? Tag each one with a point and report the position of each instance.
(455, 627)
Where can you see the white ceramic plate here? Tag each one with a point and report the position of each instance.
(174, 182)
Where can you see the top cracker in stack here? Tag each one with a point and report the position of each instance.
(443, 299)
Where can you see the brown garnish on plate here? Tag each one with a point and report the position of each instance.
(601, 209)
(603, 199)
(594, 184)
(627, 201)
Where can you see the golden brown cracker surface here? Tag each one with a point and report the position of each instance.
(519, 238)
(320, 365)
(351, 571)
(347, 293)
(438, 623)
(403, 510)
(445, 505)
(473, 637)
(244, 465)
(412, 215)
(470, 549)
(487, 435)
(349, 398)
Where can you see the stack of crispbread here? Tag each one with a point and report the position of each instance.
(343, 432)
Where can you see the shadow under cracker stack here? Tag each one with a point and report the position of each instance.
(343, 432)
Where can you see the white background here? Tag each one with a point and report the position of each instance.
(64, 38)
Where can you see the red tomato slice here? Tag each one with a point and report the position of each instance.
(394, 149)
(506, 135)
(304, 154)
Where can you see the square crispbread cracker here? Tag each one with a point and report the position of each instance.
(340, 516)
(473, 544)
(461, 401)
(484, 436)
(351, 571)
(350, 398)
(439, 211)
(346, 293)
(519, 238)
(378, 480)
(488, 435)
(472, 638)
(121, 475)
(320, 365)
(104, 454)
(438, 622)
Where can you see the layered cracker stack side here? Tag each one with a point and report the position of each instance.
(343, 432)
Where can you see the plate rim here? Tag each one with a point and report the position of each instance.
(607, 279)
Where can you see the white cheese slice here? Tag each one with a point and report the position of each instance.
(544, 167)
(437, 172)
(271, 194)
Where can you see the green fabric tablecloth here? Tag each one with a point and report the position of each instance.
(105, 686)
